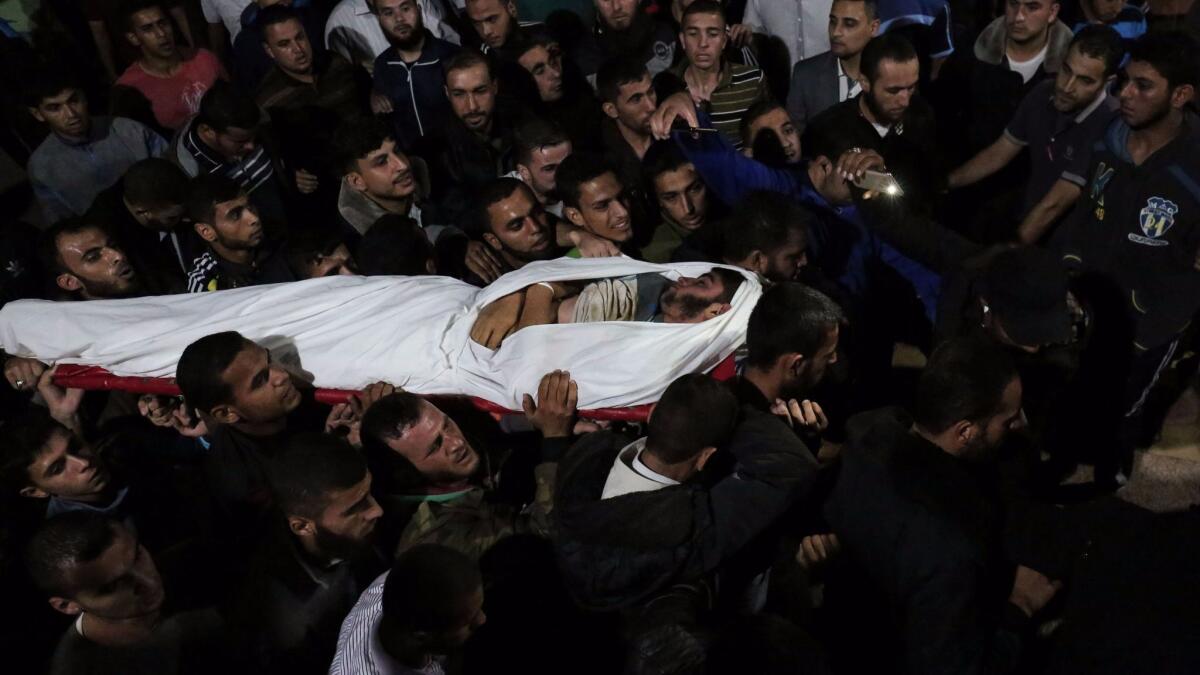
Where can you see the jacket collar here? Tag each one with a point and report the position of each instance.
(990, 47)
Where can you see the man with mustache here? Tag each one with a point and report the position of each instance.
(238, 253)
(83, 155)
(409, 75)
(304, 77)
(624, 29)
(377, 177)
(822, 81)
(86, 263)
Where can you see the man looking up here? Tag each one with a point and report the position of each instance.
(410, 74)
(822, 81)
(725, 90)
(1059, 121)
(82, 155)
(413, 616)
(1136, 228)
(239, 253)
(172, 80)
(308, 574)
(86, 263)
(687, 212)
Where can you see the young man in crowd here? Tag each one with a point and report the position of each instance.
(497, 28)
(595, 199)
(238, 251)
(415, 616)
(624, 29)
(769, 237)
(355, 31)
(85, 262)
(725, 90)
(410, 74)
(943, 596)
(168, 78)
(822, 81)
(1058, 121)
(83, 155)
(145, 212)
(539, 147)
(628, 99)
(314, 252)
(377, 178)
(770, 136)
(309, 571)
(687, 227)
(566, 97)
(95, 569)
(250, 60)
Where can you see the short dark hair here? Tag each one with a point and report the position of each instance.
(306, 243)
(871, 8)
(205, 192)
(661, 157)
(528, 39)
(425, 588)
(51, 259)
(889, 46)
(615, 73)
(964, 380)
(1170, 52)
(695, 412)
(202, 366)
(394, 245)
(269, 16)
(534, 133)
(578, 169)
(704, 7)
(22, 440)
(310, 467)
(478, 222)
(752, 114)
(356, 138)
(64, 542)
(789, 318)
(731, 281)
(468, 58)
(764, 222)
(155, 182)
(128, 9)
(389, 418)
(47, 81)
(224, 107)
(1100, 41)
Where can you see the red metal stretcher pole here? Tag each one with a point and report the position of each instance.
(95, 378)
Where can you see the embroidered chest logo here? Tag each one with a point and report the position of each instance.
(1155, 219)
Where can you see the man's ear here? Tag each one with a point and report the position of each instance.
(225, 414)
(33, 492)
(716, 309)
(1182, 94)
(37, 115)
(704, 456)
(574, 216)
(1054, 8)
(68, 607)
(525, 174)
(512, 9)
(653, 407)
(875, 28)
(207, 232)
(267, 49)
(68, 282)
(301, 527)
(431, 266)
(355, 180)
(206, 134)
(492, 241)
(133, 39)
(757, 262)
(965, 431)
(609, 109)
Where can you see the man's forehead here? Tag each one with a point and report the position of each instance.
(677, 178)
(469, 77)
(90, 237)
(703, 20)
(388, 148)
(553, 153)
(251, 359)
(59, 98)
(148, 16)
(226, 207)
(392, 4)
(110, 565)
(284, 29)
(635, 87)
(517, 203)
(600, 186)
(535, 55)
(1080, 61)
(774, 117)
(478, 9)
(54, 447)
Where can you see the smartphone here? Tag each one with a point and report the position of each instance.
(880, 182)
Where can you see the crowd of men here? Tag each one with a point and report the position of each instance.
(978, 234)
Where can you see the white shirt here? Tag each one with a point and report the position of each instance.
(847, 88)
(359, 651)
(354, 32)
(1027, 69)
(802, 25)
(629, 474)
(228, 12)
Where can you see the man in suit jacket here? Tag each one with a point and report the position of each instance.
(824, 80)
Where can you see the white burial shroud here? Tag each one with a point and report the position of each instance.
(347, 332)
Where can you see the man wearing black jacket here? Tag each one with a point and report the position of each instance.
(917, 513)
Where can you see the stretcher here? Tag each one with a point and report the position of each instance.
(98, 379)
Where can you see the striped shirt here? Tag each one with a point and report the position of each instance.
(249, 172)
(738, 89)
(359, 651)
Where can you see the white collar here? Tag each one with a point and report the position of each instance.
(360, 7)
(639, 446)
(1083, 114)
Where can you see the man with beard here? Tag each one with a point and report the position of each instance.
(354, 31)
(539, 148)
(628, 99)
(308, 574)
(1058, 121)
(1136, 233)
(623, 29)
(887, 116)
(251, 60)
(769, 237)
(86, 263)
(917, 510)
(238, 253)
(822, 81)
(410, 74)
